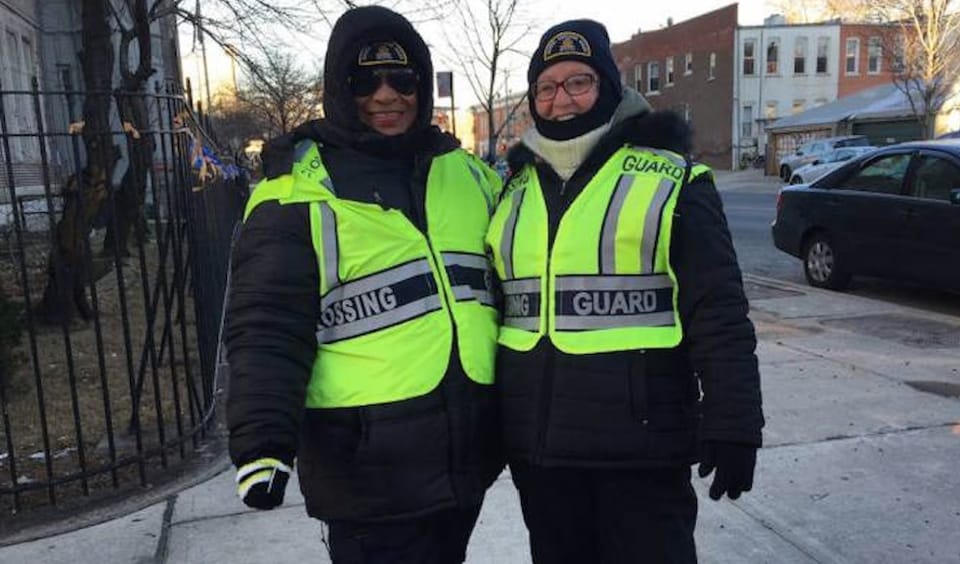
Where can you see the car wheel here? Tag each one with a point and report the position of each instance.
(821, 264)
(796, 180)
(785, 173)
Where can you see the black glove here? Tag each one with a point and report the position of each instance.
(260, 484)
(734, 463)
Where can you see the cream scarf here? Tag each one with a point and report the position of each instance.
(564, 156)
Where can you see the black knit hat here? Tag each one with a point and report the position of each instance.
(585, 41)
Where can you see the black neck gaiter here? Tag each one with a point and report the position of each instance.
(599, 114)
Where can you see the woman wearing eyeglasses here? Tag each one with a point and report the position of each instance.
(361, 329)
(625, 349)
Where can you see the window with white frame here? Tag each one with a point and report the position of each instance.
(800, 55)
(749, 57)
(668, 65)
(713, 66)
(638, 78)
(688, 64)
(823, 50)
(773, 56)
(798, 106)
(653, 76)
(874, 54)
(852, 59)
(746, 121)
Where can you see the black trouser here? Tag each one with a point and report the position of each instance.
(606, 516)
(439, 538)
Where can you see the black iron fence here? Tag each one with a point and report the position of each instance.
(112, 274)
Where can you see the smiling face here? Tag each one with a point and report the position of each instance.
(387, 111)
(563, 106)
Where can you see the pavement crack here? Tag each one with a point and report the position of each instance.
(160, 556)
(870, 435)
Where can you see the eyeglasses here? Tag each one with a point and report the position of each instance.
(574, 85)
(366, 82)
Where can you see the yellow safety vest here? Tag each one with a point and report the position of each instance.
(607, 283)
(392, 299)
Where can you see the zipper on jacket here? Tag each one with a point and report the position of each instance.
(546, 392)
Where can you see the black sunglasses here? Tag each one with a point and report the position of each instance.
(366, 82)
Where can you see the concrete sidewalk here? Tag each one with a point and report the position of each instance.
(859, 465)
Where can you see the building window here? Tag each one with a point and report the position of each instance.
(874, 53)
(770, 112)
(688, 64)
(713, 66)
(749, 57)
(669, 69)
(800, 56)
(638, 77)
(819, 102)
(853, 49)
(773, 56)
(797, 107)
(896, 64)
(746, 121)
(653, 76)
(823, 48)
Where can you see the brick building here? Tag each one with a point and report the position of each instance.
(511, 117)
(863, 62)
(688, 67)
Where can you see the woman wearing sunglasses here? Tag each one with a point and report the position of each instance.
(623, 302)
(362, 328)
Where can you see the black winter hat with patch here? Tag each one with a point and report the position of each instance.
(585, 41)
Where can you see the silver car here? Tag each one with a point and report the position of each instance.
(815, 149)
(831, 161)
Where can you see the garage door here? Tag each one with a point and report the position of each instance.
(889, 132)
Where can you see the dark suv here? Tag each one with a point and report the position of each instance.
(816, 148)
(894, 213)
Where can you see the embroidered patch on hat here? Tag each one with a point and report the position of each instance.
(382, 53)
(566, 43)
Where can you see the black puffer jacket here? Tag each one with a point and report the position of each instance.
(642, 408)
(372, 463)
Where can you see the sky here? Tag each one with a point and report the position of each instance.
(623, 18)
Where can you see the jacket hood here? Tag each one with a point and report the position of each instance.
(354, 29)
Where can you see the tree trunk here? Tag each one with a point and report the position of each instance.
(86, 192)
(130, 195)
(132, 107)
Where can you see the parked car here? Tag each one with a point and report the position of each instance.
(816, 148)
(894, 212)
(822, 165)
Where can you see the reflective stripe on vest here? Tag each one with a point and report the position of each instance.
(605, 302)
(377, 301)
(471, 277)
(521, 303)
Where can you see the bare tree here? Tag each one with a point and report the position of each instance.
(479, 41)
(235, 122)
(280, 92)
(926, 54)
(86, 192)
(811, 11)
